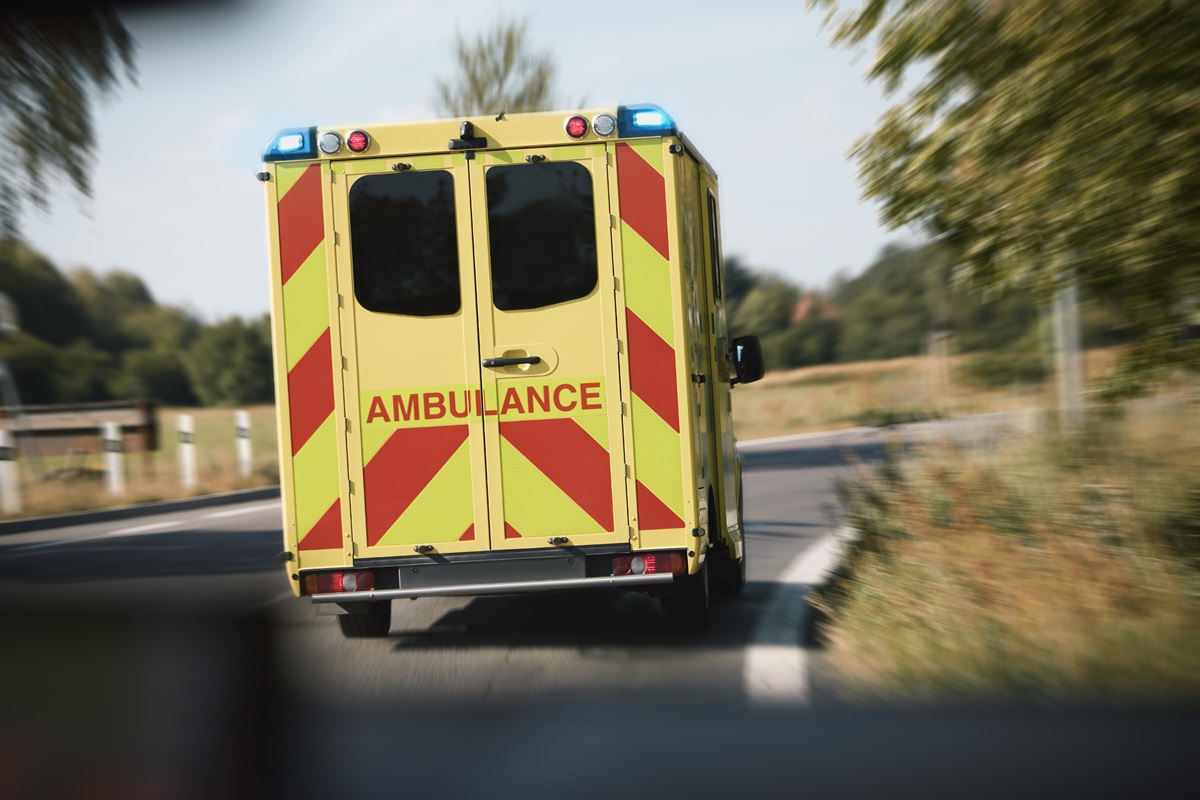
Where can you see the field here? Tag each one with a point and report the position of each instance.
(833, 396)
(795, 401)
(59, 484)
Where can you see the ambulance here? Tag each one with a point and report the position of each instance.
(502, 362)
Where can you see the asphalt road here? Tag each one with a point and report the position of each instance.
(166, 651)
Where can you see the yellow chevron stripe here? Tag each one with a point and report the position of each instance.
(305, 309)
(315, 476)
(658, 458)
(652, 151)
(534, 505)
(596, 427)
(648, 284)
(443, 510)
(286, 176)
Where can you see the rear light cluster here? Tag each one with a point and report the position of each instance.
(647, 563)
(326, 582)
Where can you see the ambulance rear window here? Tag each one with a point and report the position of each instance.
(541, 233)
(405, 244)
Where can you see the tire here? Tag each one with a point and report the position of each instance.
(688, 610)
(729, 574)
(373, 623)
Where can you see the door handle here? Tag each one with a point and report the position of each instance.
(511, 362)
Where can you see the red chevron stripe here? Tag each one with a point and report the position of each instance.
(469, 536)
(510, 532)
(653, 513)
(401, 470)
(310, 391)
(643, 195)
(301, 221)
(652, 370)
(572, 460)
(327, 533)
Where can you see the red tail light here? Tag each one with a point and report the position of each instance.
(649, 563)
(326, 582)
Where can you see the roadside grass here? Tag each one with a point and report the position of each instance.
(77, 483)
(1059, 570)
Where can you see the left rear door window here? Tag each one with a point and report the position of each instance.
(405, 243)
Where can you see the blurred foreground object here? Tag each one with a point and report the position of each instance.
(1042, 136)
(49, 64)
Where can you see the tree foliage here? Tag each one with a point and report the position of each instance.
(1044, 138)
(497, 73)
(50, 64)
(93, 336)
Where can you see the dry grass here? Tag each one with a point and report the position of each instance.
(155, 476)
(1060, 570)
(833, 396)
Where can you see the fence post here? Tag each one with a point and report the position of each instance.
(114, 464)
(242, 421)
(187, 451)
(10, 488)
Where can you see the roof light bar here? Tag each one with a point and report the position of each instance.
(292, 144)
(645, 119)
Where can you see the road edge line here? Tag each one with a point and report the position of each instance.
(776, 674)
(28, 524)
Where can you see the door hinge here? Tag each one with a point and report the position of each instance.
(350, 486)
(340, 303)
(622, 408)
(332, 179)
(345, 363)
(607, 159)
(612, 221)
(627, 471)
(335, 238)
(346, 420)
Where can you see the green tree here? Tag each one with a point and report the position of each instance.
(47, 304)
(50, 63)
(158, 374)
(230, 363)
(497, 73)
(1044, 138)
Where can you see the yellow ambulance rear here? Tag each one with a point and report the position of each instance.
(502, 363)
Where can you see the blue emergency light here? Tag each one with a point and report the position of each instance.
(292, 143)
(645, 119)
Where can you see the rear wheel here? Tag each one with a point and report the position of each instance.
(373, 622)
(688, 609)
(729, 573)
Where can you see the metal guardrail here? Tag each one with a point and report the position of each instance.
(50, 430)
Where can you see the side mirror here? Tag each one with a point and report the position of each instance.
(747, 360)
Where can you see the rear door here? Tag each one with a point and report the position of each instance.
(479, 326)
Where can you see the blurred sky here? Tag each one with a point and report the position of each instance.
(754, 84)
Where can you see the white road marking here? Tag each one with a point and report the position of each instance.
(776, 670)
(154, 526)
(799, 437)
(233, 512)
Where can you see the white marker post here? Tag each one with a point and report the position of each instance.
(187, 452)
(114, 462)
(243, 442)
(10, 488)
